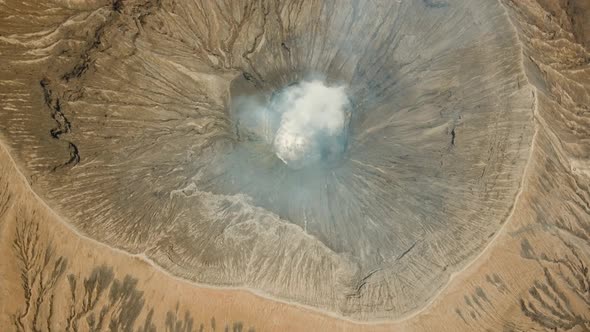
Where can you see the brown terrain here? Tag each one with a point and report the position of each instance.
(139, 189)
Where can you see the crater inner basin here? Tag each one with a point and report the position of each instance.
(304, 124)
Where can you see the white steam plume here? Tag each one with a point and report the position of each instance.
(311, 111)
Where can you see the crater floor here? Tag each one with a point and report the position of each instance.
(170, 165)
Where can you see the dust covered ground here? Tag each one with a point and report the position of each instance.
(134, 195)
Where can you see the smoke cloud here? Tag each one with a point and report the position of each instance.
(313, 122)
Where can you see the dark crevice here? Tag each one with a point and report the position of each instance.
(407, 251)
(285, 47)
(85, 62)
(361, 284)
(74, 155)
(117, 5)
(85, 59)
(64, 126)
(143, 11)
(250, 78)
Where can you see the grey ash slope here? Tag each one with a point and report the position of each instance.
(120, 115)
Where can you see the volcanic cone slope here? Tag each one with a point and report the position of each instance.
(125, 117)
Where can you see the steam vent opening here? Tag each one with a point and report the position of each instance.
(306, 123)
(417, 163)
(313, 125)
